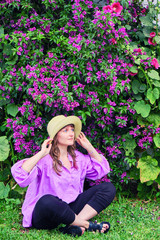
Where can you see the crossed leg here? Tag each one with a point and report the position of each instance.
(51, 211)
(82, 218)
(92, 202)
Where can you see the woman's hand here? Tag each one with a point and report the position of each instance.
(84, 142)
(46, 146)
(29, 164)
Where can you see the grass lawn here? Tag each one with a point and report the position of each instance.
(129, 219)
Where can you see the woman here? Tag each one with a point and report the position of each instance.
(56, 175)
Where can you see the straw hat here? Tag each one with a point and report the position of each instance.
(59, 122)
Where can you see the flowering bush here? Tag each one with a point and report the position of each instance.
(73, 57)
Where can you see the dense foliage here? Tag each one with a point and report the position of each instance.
(100, 64)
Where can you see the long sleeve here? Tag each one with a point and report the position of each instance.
(95, 169)
(22, 177)
(44, 180)
(92, 168)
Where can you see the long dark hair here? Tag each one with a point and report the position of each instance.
(55, 154)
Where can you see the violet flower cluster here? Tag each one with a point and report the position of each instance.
(73, 59)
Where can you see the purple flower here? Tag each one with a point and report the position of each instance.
(123, 175)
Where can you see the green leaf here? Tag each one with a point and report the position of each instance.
(1, 75)
(134, 173)
(132, 45)
(152, 10)
(142, 88)
(149, 183)
(4, 190)
(156, 140)
(4, 148)
(7, 49)
(137, 61)
(1, 31)
(149, 169)
(128, 27)
(157, 39)
(142, 121)
(20, 190)
(158, 180)
(148, 51)
(154, 118)
(84, 116)
(140, 35)
(88, 113)
(144, 57)
(156, 83)
(146, 21)
(133, 69)
(153, 95)
(142, 108)
(4, 102)
(4, 175)
(137, 97)
(13, 60)
(153, 74)
(147, 31)
(135, 86)
(12, 109)
(129, 145)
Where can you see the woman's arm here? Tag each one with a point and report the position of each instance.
(29, 164)
(85, 143)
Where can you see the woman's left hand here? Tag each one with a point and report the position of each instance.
(83, 141)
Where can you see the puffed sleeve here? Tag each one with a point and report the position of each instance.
(96, 169)
(22, 177)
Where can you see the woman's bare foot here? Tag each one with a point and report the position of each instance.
(104, 228)
(83, 229)
(65, 229)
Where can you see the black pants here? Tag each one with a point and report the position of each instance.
(50, 211)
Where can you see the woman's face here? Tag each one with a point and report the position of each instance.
(65, 136)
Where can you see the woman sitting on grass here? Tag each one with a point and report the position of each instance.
(56, 175)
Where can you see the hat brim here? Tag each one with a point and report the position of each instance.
(64, 122)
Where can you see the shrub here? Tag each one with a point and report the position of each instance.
(72, 57)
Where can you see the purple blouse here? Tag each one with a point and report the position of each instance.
(44, 180)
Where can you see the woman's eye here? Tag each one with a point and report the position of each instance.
(65, 130)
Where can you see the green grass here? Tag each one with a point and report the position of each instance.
(129, 219)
